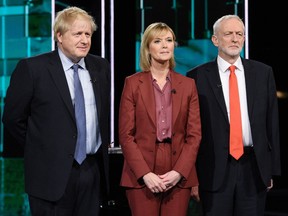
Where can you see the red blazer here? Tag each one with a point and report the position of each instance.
(137, 128)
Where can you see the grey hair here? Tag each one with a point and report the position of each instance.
(218, 22)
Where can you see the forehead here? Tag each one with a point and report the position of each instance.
(231, 25)
(162, 34)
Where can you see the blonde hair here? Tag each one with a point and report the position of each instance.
(66, 17)
(152, 31)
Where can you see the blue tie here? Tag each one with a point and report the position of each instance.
(80, 152)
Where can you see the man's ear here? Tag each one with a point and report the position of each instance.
(59, 37)
(214, 40)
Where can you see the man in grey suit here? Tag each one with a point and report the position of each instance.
(39, 114)
(229, 186)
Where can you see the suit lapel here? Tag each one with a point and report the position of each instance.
(250, 80)
(177, 96)
(56, 70)
(147, 93)
(214, 81)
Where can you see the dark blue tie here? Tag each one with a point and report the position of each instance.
(80, 152)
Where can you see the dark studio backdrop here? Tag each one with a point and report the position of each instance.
(267, 22)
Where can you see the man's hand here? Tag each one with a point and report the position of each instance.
(195, 193)
(271, 185)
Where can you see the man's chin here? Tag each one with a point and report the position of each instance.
(82, 55)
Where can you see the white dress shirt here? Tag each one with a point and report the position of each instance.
(224, 73)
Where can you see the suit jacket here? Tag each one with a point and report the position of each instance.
(40, 115)
(263, 114)
(137, 128)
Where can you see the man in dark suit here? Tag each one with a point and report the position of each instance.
(39, 113)
(228, 185)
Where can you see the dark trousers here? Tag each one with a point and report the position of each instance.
(81, 197)
(242, 193)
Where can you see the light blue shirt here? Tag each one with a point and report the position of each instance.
(93, 138)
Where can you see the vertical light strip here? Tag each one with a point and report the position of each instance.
(206, 16)
(142, 17)
(236, 7)
(138, 42)
(3, 55)
(3, 85)
(103, 54)
(3, 36)
(112, 69)
(52, 21)
(246, 16)
(103, 28)
(4, 68)
(27, 30)
(192, 19)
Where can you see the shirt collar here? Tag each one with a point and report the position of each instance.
(224, 65)
(67, 63)
(168, 77)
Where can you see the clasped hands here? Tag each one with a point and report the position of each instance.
(161, 183)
